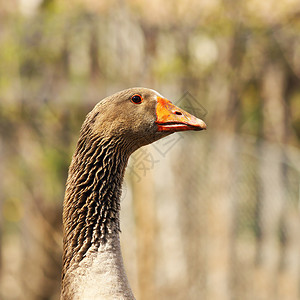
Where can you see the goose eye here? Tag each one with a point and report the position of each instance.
(137, 99)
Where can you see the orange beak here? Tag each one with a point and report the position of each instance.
(172, 118)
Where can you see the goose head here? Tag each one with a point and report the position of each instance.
(140, 116)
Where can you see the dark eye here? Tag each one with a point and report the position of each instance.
(137, 99)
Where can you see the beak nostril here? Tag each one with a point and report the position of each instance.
(178, 113)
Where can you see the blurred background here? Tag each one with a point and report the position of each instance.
(205, 215)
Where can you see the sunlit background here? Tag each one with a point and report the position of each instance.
(205, 215)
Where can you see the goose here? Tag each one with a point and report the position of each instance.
(116, 127)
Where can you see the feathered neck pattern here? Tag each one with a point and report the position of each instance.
(92, 198)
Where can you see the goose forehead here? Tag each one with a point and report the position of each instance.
(145, 90)
(128, 93)
(156, 93)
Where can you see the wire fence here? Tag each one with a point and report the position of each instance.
(233, 235)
